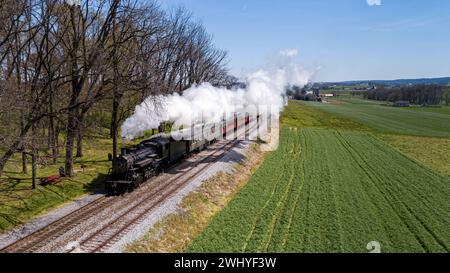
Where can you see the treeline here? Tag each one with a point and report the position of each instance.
(416, 94)
(63, 62)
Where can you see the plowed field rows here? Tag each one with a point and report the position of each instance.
(325, 190)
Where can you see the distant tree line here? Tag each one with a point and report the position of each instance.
(65, 65)
(416, 94)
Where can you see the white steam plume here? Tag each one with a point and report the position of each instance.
(290, 52)
(374, 2)
(206, 103)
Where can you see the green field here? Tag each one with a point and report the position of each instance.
(387, 119)
(299, 114)
(439, 110)
(330, 191)
(430, 151)
(338, 182)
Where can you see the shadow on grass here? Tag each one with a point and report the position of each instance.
(96, 185)
(11, 220)
(20, 203)
(90, 161)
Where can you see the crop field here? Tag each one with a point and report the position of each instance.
(301, 115)
(326, 190)
(440, 110)
(387, 119)
(431, 151)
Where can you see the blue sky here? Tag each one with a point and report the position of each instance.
(339, 39)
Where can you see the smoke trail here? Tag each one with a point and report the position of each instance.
(374, 2)
(290, 52)
(206, 103)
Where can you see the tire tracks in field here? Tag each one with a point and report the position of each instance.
(372, 179)
(412, 188)
(337, 211)
(411, 211)
(257, 219)
(408, 188)
(297, 197)
(282, 203)
(326, 214)
(388, 196)
(307, 215)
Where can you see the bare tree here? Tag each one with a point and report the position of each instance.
(59, 62)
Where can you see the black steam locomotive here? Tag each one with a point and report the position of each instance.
(137, 164)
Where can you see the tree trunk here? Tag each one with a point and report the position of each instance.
(19, 86)
(79, 142)
(24, 154)
(54, 147)
(33, 170)
(77, 84)
(52, 141)
(24, 160)
(33, 157)
(56, 139)
(114, 124)
(111, 129)
(50, 134)
(71, 133)
(2, 165)
(116, 95)
(13, 148)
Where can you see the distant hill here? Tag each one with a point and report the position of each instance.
(444, 80)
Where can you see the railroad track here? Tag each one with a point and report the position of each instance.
(112, 231)
(37, 239)
(126, 221)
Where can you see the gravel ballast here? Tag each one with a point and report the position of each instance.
(225, 164)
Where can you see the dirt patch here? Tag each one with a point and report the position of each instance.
(174, 232)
